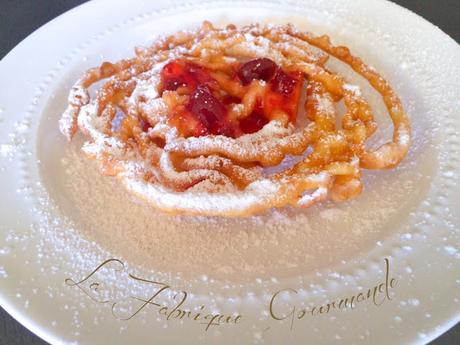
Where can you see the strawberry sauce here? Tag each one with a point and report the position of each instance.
(207, 109)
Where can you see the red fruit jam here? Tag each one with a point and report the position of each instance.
(184, 74)
(207, 109)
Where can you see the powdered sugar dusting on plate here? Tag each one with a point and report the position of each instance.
(282, 243)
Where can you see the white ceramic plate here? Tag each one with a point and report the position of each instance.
(60, 219)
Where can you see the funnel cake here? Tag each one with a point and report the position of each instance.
(203, 122)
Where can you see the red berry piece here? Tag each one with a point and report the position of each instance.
(283, 83)
(172, 76)
(209, 111)
(253, 122)
(262, 69)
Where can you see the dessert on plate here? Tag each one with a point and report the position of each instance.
(234, 121)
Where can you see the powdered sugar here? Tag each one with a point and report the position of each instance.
(353, 89)
(222, 248)
(248, 142)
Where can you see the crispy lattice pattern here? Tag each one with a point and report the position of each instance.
(180, 167)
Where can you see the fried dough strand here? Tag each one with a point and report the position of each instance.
(127, 129)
